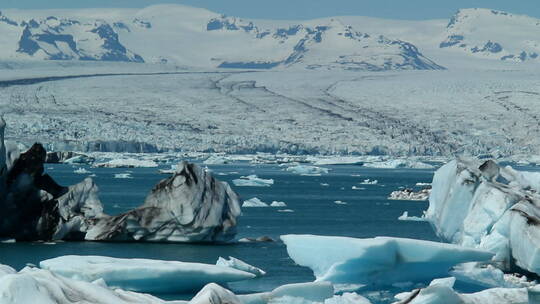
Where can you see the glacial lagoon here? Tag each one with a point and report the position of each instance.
(362, 211)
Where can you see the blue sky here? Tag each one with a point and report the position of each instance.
(306, 9)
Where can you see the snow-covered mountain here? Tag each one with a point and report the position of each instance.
(196, 37)
(494, 34)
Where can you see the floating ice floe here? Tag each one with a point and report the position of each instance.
(325, 184)
(344, 160)
(168, 171)
(240, 265)
(278, 204)
(34, 285)
(254, 202)
(81, 171)
(479, 204)
(441, 291)
(340, 202)
(123, 175)
(126, 163)
(488, 276)
(423, 184)
(252, 181)
(410, 195)
(285, 210)
(398, 163)
(369, 182)
(377, 261)
(357, 188)
(79, 160)
(307, 170)
(215, 160)
(143, 275)
(405, 217)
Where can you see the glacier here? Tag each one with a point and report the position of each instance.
(377, 261)
(143, 275)
(479, 204)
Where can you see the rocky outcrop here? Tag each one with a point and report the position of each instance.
(190, 206)
(483, 205)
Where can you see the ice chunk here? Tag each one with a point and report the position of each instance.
(314, 292)
(240, 265)
(343, 160)
(377, 261)
(82, 171)
(215, 160)
(487, 276)
(123, 175)
(410, 195)
(405, 217)
(442, 292)
(34, 285)
(340, 202)
(398, 163)
(278, 204)
(254, 202)
(143, 275)
(215, 294)
(369, 182)
(252, 181)
(127, 163)
(307, 170)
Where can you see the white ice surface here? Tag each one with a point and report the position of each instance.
(377, 261)
(143, 274)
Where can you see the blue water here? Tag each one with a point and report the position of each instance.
(367, 214)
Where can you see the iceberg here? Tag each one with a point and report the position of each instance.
(405, 217)
(398, 163)
(252, 181)
(215, 160)
(240, 265)
(189, 206)
(143, 275)
(278, 204)
(369, 182)
(479, 204)
(254, 202)
(441, 291)
(127, 163)
(488, 276)
(123, 175)
(82, 171)
(408, 194)
(34, 285)
(307, 170)
(377, 261)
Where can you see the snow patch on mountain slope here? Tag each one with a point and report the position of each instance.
(493, 34)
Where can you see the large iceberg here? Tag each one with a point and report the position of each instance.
(190, 206)
(127, 163)
(377, 261)
(143, 275)
(482, 205)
